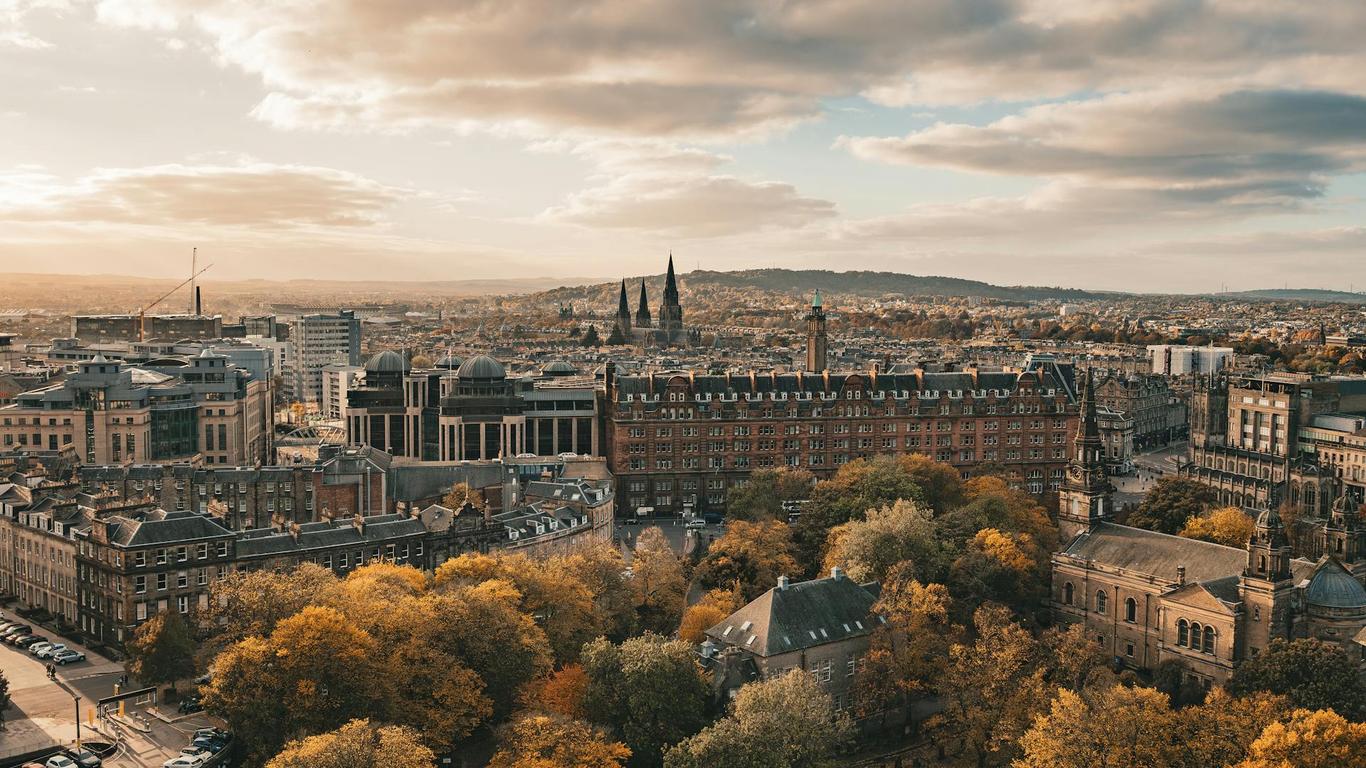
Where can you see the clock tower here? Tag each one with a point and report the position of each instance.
(1085, 497)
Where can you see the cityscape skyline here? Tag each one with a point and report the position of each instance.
(1042, 143)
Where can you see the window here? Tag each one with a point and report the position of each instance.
(182, 603)
(1209, 640)
(1183, 629)
(1130, 610)
(1195, 637)
(1101, 598)
(1129, 650)
(1067, 593)
(139, 584)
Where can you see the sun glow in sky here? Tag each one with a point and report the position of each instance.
(1161, 145)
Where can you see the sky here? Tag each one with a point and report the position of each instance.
(1145, 145)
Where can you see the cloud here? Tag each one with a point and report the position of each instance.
(709, 69)
(257, 195)
(690, 206)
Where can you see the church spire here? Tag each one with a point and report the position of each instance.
(1084, 498)
(670, 283)
(623, 309)
(643, 318)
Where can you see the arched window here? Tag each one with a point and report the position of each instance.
(1100, 601)
(1309, 496)
(1067, 593)
(1195, 637)
(1209, 640)
(1130, 610)
(1183, 629)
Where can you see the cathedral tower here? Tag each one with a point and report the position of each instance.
(1267, 587)
(1085, 496)
(623, 311)
(643, 319)
(815, 336)
(1343, 536)
(671, 312)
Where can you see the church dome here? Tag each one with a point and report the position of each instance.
(449, 362)
(387, 361)
(559, 368)
(482, 367)
(1333, 587)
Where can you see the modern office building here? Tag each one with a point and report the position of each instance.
(319, 340)
(1180, 360)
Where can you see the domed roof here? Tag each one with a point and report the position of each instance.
(387, 361)
(449, 362)
(559, 368)
(481, 367)
(1333, 587)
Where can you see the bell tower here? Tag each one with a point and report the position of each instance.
(1267, 586)
(815, 336)
(1085, 497)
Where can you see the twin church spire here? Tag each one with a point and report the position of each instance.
(670, 326)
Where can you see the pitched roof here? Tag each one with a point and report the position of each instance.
(1156, 554)
(802, 615)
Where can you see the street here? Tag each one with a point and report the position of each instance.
(43, 711)
(1130, 489)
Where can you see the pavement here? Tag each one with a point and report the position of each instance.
(43, 712)
(1148, 467)
(673, 529)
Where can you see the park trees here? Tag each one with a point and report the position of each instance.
(649, 690)
(902, 532)
(357, 744)
(659, 586)
(1312, 674)
(753, 555)
(1170, 503)
(540, 740)
(1309, 739)
(907, 653)
(762, 496)
(1229, 526)
(708, 611)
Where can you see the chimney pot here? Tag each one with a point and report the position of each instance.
(1181, 574)
(836, 573)
(783, 582)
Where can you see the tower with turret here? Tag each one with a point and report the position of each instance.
(815, 336)
(1086, 495)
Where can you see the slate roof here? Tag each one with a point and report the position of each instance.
(1333, 587)
(801, 615)
(161, 527)
(325, 534)
(1156, 554)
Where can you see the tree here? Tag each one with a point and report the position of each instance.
(782, 722)
(561, 693)
(709, 611)
(314, 672)
(1118, 728)
(1229, 526)
(250, 603)
(649, 690)
(1170, 503)
(550, 741)
(992, 503)
(4, 695)
(1008, 568)
(420, 362)
(591, 338)
(1309, 739)
(752, 554)
(907, 653)
(483, 627)
(901, 532)
(602, 569)
(460, 494)
(1075, 660)
(1312, 674)
(162, 650)
(992, 689)
(857, 487)
(358, 744)
(762, 496)
(657, 582)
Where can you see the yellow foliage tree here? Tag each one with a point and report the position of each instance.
(549, 741)
(1309, 739)
(357, 745)
(562, 693)
(706, 613)
(1229, 526)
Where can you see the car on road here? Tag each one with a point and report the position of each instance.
(51, 650)
(185, 761)
(60, 761)
(693, 525)
(85, 758)
(38, 648)
(24, 639)
(14, 629)
(67, 657)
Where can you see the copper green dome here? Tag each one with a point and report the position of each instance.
(1333, 587)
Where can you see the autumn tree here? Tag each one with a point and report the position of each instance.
(857, 487)
(162, 650)
(761, 497)
(707, 612)
(538, 740)
(1118, 728)
(357, 744)
(906, 653)
(992, 503)
(1311, 673)
(1075, 660)
(1170, 503)
(4, 695)
(251, 603)
(461, 494)
(658, 585)
(313, 673)
(484, 628)
(785, 721)
(993, 688)
(901, 532)
(649, 690)
(602, 569)
(1309, 739)
(751, 554)
(1007, 568)
(562, 692)
(1229, 526)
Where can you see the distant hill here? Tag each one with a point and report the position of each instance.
(1298, 294)
(878, 284)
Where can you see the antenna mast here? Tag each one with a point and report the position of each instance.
(194, 263)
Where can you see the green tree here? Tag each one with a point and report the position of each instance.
(591, 338)
(857, 487)
(357, 744)
(762, 496)
(162, 650)
(902, 532)
(649, 690)
(251, 603)
(4, 694)
(1170, 503)
(907, 653)
(1311, 673)
(782, 722)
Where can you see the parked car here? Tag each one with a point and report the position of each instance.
(85, 758)
(185, 761)
(67, 656)
(211, 733)
(13, 628)
(60, 761)
(210, 744)
(190, 704)
(695, 524)
(52, 650)
(24, 639)
(38, 648)
(38, 640)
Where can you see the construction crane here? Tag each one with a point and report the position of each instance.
(142, 313)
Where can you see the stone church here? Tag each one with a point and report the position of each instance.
(642, 329)
(1149, 597)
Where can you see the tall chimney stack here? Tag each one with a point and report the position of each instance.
(198, 305)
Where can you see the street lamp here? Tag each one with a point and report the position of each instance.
(76, 699)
